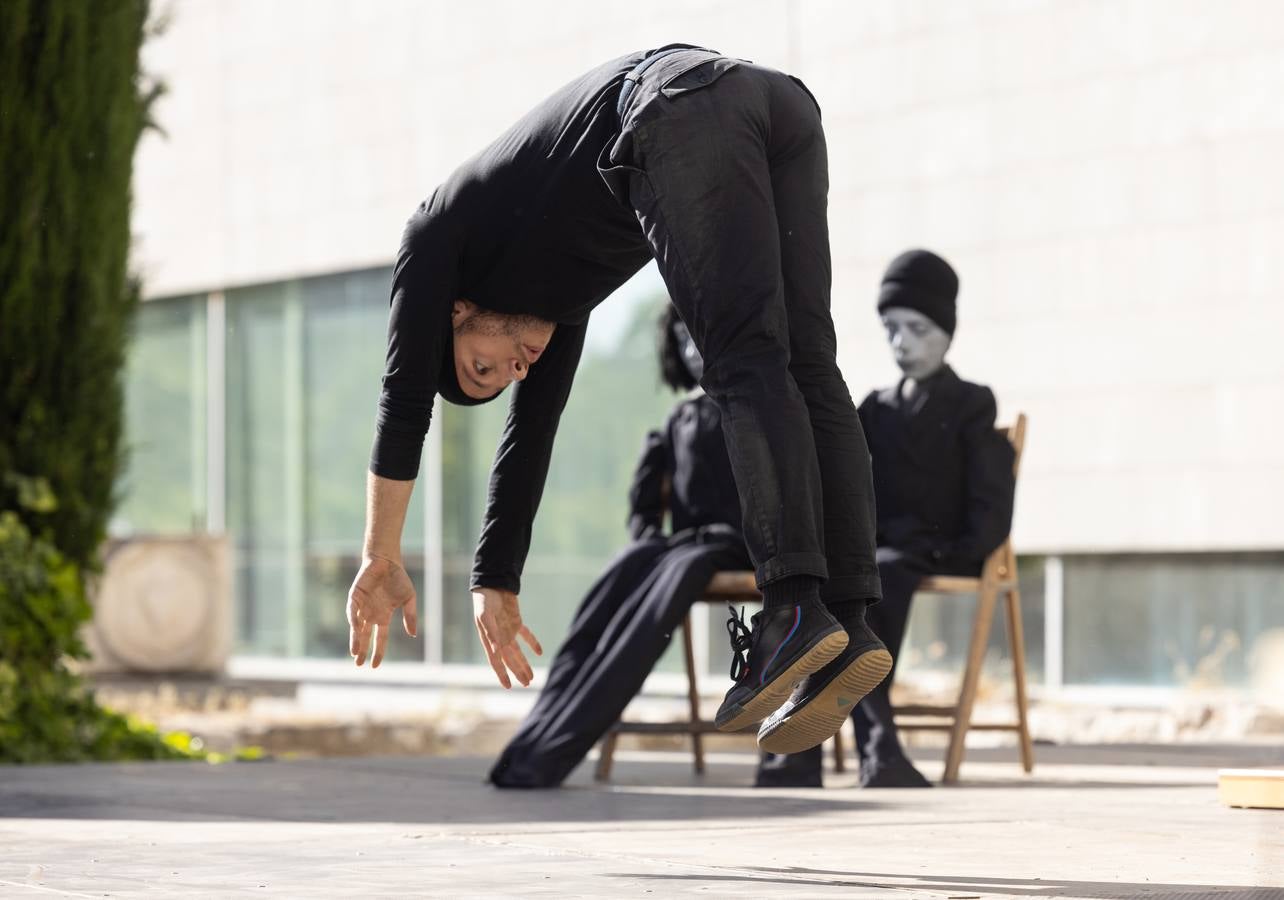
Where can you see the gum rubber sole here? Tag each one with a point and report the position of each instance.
(773, 696)
(821, 719)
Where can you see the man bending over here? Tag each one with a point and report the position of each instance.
(717, 169)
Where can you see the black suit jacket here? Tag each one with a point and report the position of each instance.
(943, 479)
(690, 454)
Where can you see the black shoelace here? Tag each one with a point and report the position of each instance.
(741, 640)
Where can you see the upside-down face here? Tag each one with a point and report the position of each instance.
(492, 350)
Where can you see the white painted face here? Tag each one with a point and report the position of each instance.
(918, 344)
(690, 354)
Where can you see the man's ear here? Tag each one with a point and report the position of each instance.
(461, 310)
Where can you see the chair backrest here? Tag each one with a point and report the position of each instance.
(1001, 564)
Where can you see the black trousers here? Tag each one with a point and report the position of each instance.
(725, 165)
(876, 736)
(619, 632)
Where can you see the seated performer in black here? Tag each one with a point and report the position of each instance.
(717, 169)
(628, 616)
(944, 488)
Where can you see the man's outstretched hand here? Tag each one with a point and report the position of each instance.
(499, 624)
(380, 588)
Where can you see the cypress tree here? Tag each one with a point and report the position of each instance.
(73, 104)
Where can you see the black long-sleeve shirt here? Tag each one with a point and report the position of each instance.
(526, 226)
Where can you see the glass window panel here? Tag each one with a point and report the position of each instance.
(1192, 620)
(162, 487)
(940, 631)
(468, 441)
(303, 366)
(256, 483)
(344, 343)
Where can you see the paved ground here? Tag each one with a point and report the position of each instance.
(1094, 822)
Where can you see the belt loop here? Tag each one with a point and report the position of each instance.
(634, 78)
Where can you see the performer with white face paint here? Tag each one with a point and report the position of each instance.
(943, 487)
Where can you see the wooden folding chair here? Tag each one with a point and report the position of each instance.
(723, 588)
(998, 577)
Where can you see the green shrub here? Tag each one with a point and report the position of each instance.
(46, 713)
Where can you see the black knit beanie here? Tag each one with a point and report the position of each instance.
(922, 281)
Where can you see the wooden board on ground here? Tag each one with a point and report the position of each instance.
(1253, 788)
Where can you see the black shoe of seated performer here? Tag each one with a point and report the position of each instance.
(800, 770)
(821, 704)
(507, 773)
(898, 772)
(785, 645)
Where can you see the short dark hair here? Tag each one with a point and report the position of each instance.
(673, 369)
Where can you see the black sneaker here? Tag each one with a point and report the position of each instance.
(898, 772)
(821, 704)
(799, 770)
(785, 646)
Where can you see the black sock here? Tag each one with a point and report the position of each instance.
(849, 613)
(791, 591)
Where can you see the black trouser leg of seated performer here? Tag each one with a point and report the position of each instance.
(729, 180)
(878, 746)
(599, 607)
(621, 631)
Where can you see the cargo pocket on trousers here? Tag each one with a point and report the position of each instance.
(627, 183)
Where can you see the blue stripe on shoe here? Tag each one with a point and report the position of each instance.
(797, 622)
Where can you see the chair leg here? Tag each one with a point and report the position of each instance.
(840, 763)
(693, 696)
(1016, 641)
(606, 755)
(971, 677)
